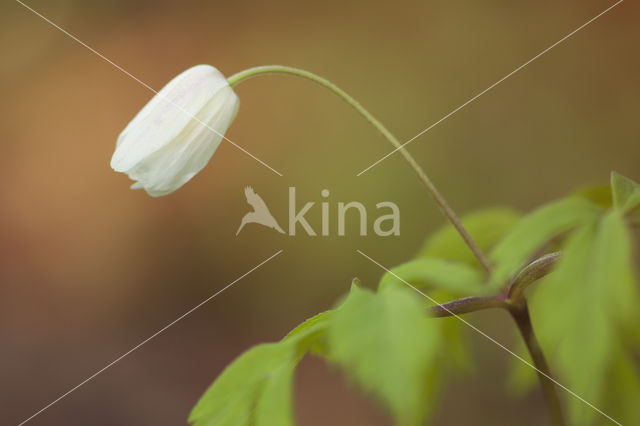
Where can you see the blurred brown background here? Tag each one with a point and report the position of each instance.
(89, 268)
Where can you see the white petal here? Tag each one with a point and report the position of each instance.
(166, 115)
(174, 164)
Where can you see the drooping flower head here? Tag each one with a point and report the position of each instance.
(174, 136)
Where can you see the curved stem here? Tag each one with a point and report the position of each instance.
(521, 316)
(431, 188)
(467, 305)
(530, 274)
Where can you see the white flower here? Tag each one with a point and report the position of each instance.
(171, 138)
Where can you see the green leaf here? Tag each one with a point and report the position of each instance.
(624, 390)
(455, 278)
(521, 378)
(456, 352)
(444, 280)
(487, 227)
(599, 195)
(231, 398)
(310, 334)
(581, 309)
(613, 269)
(626, 193)
(309, 324)
(536, 229)
(256, 389)
(274, 407)
(388, 345)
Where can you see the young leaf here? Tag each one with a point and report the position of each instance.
(521, 378)
(624, 389)
(309, 324)
(388, 345)
(626, 193)
(487, 227)
(580, 310)
(310, 334)
(444, 280)
(232, 397)
(453, 278)
(599, 195)
(256, 389)
(274, 406)
(456, 348)
(536, 229)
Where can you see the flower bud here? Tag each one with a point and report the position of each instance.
(173, 137)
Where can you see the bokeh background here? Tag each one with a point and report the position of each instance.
(89, 268)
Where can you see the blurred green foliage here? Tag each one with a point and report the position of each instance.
(487, 226)
(585, 313)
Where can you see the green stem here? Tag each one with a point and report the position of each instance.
(433, 191)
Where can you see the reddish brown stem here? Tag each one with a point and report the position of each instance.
(530, 274)
(468, 304)
(516, 303)
(520, 314)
